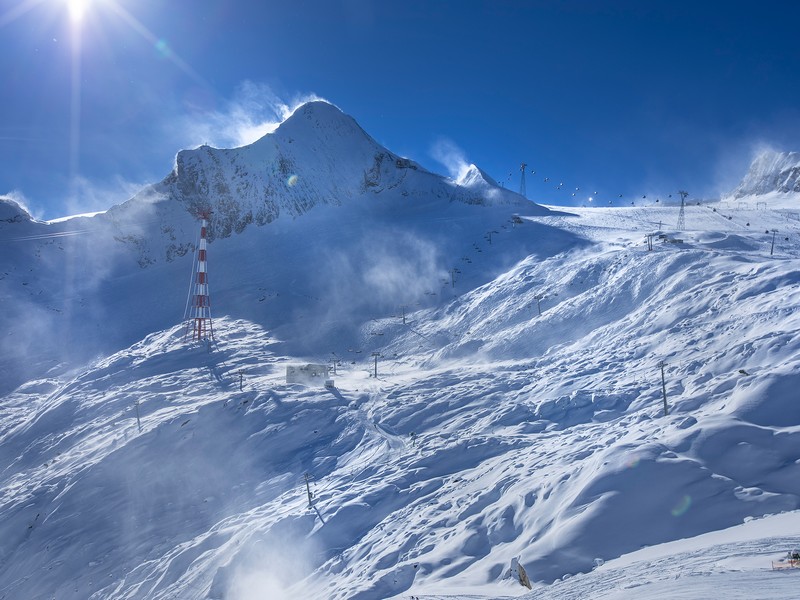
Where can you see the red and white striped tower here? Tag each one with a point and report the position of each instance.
(198, 305)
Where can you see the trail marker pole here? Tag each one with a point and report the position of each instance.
(138, 421)
(662, 364)
(772, 247)
(308, 490)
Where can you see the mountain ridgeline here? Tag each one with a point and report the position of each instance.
(317, 156)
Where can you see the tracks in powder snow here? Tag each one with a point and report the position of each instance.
(735, 571)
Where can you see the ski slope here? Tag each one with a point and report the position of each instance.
(490, 432)
(517, 411)
(733, 563)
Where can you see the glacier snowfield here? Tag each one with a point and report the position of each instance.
(491, 431)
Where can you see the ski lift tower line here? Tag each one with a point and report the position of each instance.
(682, 213)
(198, 317)
(376, 356)
(522, 189)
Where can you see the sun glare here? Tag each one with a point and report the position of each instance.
(77, 9)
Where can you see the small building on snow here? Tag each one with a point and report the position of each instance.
(310, 374)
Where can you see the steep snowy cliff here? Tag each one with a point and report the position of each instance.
(771, 172)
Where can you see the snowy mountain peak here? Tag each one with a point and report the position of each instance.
(313, 118)
(476, 176)
(771, 171)
(478, 183)
(12, 212)
(319, 155)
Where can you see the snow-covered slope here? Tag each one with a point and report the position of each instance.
(491, 431)
(517, 410)
(11, 212)
(734, 563)
(86, 286)
(772, 173)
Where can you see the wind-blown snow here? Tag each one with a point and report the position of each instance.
(517, 411)
(772, 173)
(69, 279)
(12, 212)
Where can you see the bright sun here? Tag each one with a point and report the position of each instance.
(77, 8)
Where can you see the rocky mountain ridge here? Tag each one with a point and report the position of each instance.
(318, 156)
(769, 172)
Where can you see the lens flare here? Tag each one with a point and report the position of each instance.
(292, 181)
(632, 462)
(682, 506)
(163, 48)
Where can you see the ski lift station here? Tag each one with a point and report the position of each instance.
(309, 374)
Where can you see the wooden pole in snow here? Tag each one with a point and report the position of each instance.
(662, 364)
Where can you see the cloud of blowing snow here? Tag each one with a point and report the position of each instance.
(18, 197)
(273, 567)
(733, 163)
(87, 196)
(453, 158)
(252, 112)
(390, 268)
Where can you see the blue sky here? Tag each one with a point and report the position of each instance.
(626, 97)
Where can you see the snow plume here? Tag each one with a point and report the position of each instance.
(734, 161)
(91, 196)
(404, 275)
(58, 316)
(26, 348)
(446, 152)
(393, 268)
(373, 274)
(254, 111)
(273, 568)
(18, 197)
(109, 242)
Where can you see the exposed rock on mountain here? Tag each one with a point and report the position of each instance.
(317, 156)
(771, 172)
(11, 212)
